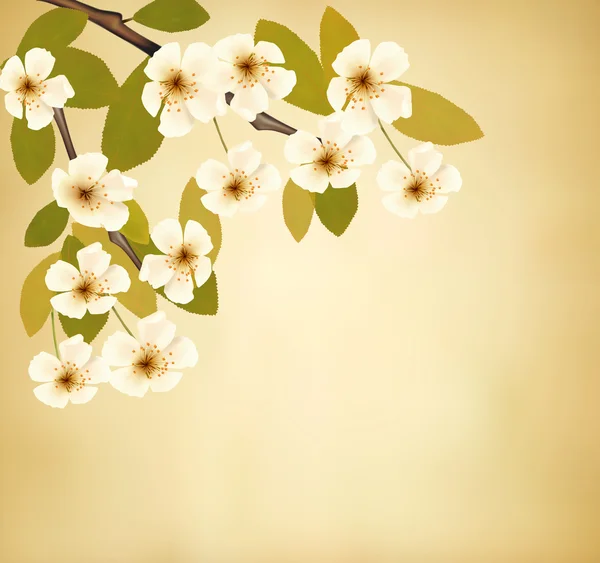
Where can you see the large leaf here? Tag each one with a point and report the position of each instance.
(336, 208)
(71, 246)
(140, 299)
(192, 208)
(298, 209)
(137, 228)
(130, 135)
(336, 33)
(47, 225)
(206, 298)
(53, 30)
(172, 15)
(33, 151)
(94, 84)
(310, 92)
(436, 119)
(35, 296)
(89, 326)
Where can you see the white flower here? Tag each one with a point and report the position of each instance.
(92, 198)
(29, 86)
(149, 362)
(332, 160)
(68, 379)
(241, 185)
(419, 190)
(363, 85)
(182, 85)
(246, 71)
(91, 287)
(185, 255)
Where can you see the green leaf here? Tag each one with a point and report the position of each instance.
(140, 299)
(33, 151)
(310, 92)
(53, 30)
(35, 296)
(192, 208)
(336, 33)
(47, 225)
(206, 298)
(298, 209)
(70, 248)
(172, 15)
(130, 135)
(436, 119)
(89, 326)
(336, 208)
(94, 84)
(137, 228)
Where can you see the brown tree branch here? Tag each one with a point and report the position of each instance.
(114, 23)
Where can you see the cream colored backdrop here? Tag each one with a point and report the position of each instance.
(418, 391)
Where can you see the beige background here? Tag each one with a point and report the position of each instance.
(416, 391)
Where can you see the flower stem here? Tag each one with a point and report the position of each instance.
(220, 135)
(122, 322)
(393, 146)
(127, 20)
(54, 334)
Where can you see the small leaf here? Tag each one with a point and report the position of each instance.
(89, 326)
(298, 209)
(206, 298)
(192, 208)
(140, 299)
(336, 208)
(33, 151)
(137, 228)
(53, 30)
(130, 135)
(70, 248)
(436, 119)
(35, 296)
(94, 84)
(336, 33)
(172, 15)
(310, 92)
(47, 225)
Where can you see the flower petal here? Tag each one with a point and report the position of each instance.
(203, 271)
(51, 395)
(130, 383)
(239, 45)
(115, 279)
(337, 93)
(244, 158)
(75, 350)
(266, 178)
(83, 395)
(278, 82)
(271, 52)
(96, 371)
(424, 158)
(433, 205)
(253, 203)
(57, 91)
(248, 102)
(167, 235)
(61, 276)
(113, 215)
(93, 260)
(155, 270)
(352, 57)
(311, 178)
(39, 115)
(58, 177)
(300, 148)
(393, 103)
(197, 238)
(449, 179)
(180, 288)
(165, 382)
(220, 204)
(204, 105)
(88, 167)
(359, 119)
(181, 353)
(69, 304)
(389, 61)
(12, 74)
(211, 175)
(199, 59)
(151, 98)
(402, 206)
(43, 367)
(116, 187)
(344, 178)
(101, 305)
(39, 63)
(175, 120)
(119, 349)
(392, 176)
(13, 105)
(156, 329)
(164, 62)
(331, 130)
(360, 151)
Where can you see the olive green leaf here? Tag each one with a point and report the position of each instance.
(298, 209)
(130, 135)
(206, 298)
(336, 33)
(436, 119)
(89, 326)
(136, 229)
(336, 208)
(71, 246)
(192, 208)
(35, 296)
(53, 30)
(33, 151)
(47, 225)
(310, 92)
(94, 84)
(140, 299)
(172, 15)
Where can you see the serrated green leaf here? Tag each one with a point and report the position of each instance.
(33, 151)
(140, 299)
(94, 84)
(336, 32)
(35, 296)
(130, 135)
(336, 208)
(53, 30)
(71, 246)
(206, 298)
(47, 225)
(136, 229)
(172, 15)
(298, 209)
(436, 119)
(192, 208)
(310, 92)
(89, 326)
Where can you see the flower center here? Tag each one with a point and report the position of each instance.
(238, 186)
(250, 68)
(331, 159)
(90, 195)
(29, 90)
(365, 84)
(70, 378)
(420, 187)
(183, 260)
(179, 86)
(89, 287)
(149, 361)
